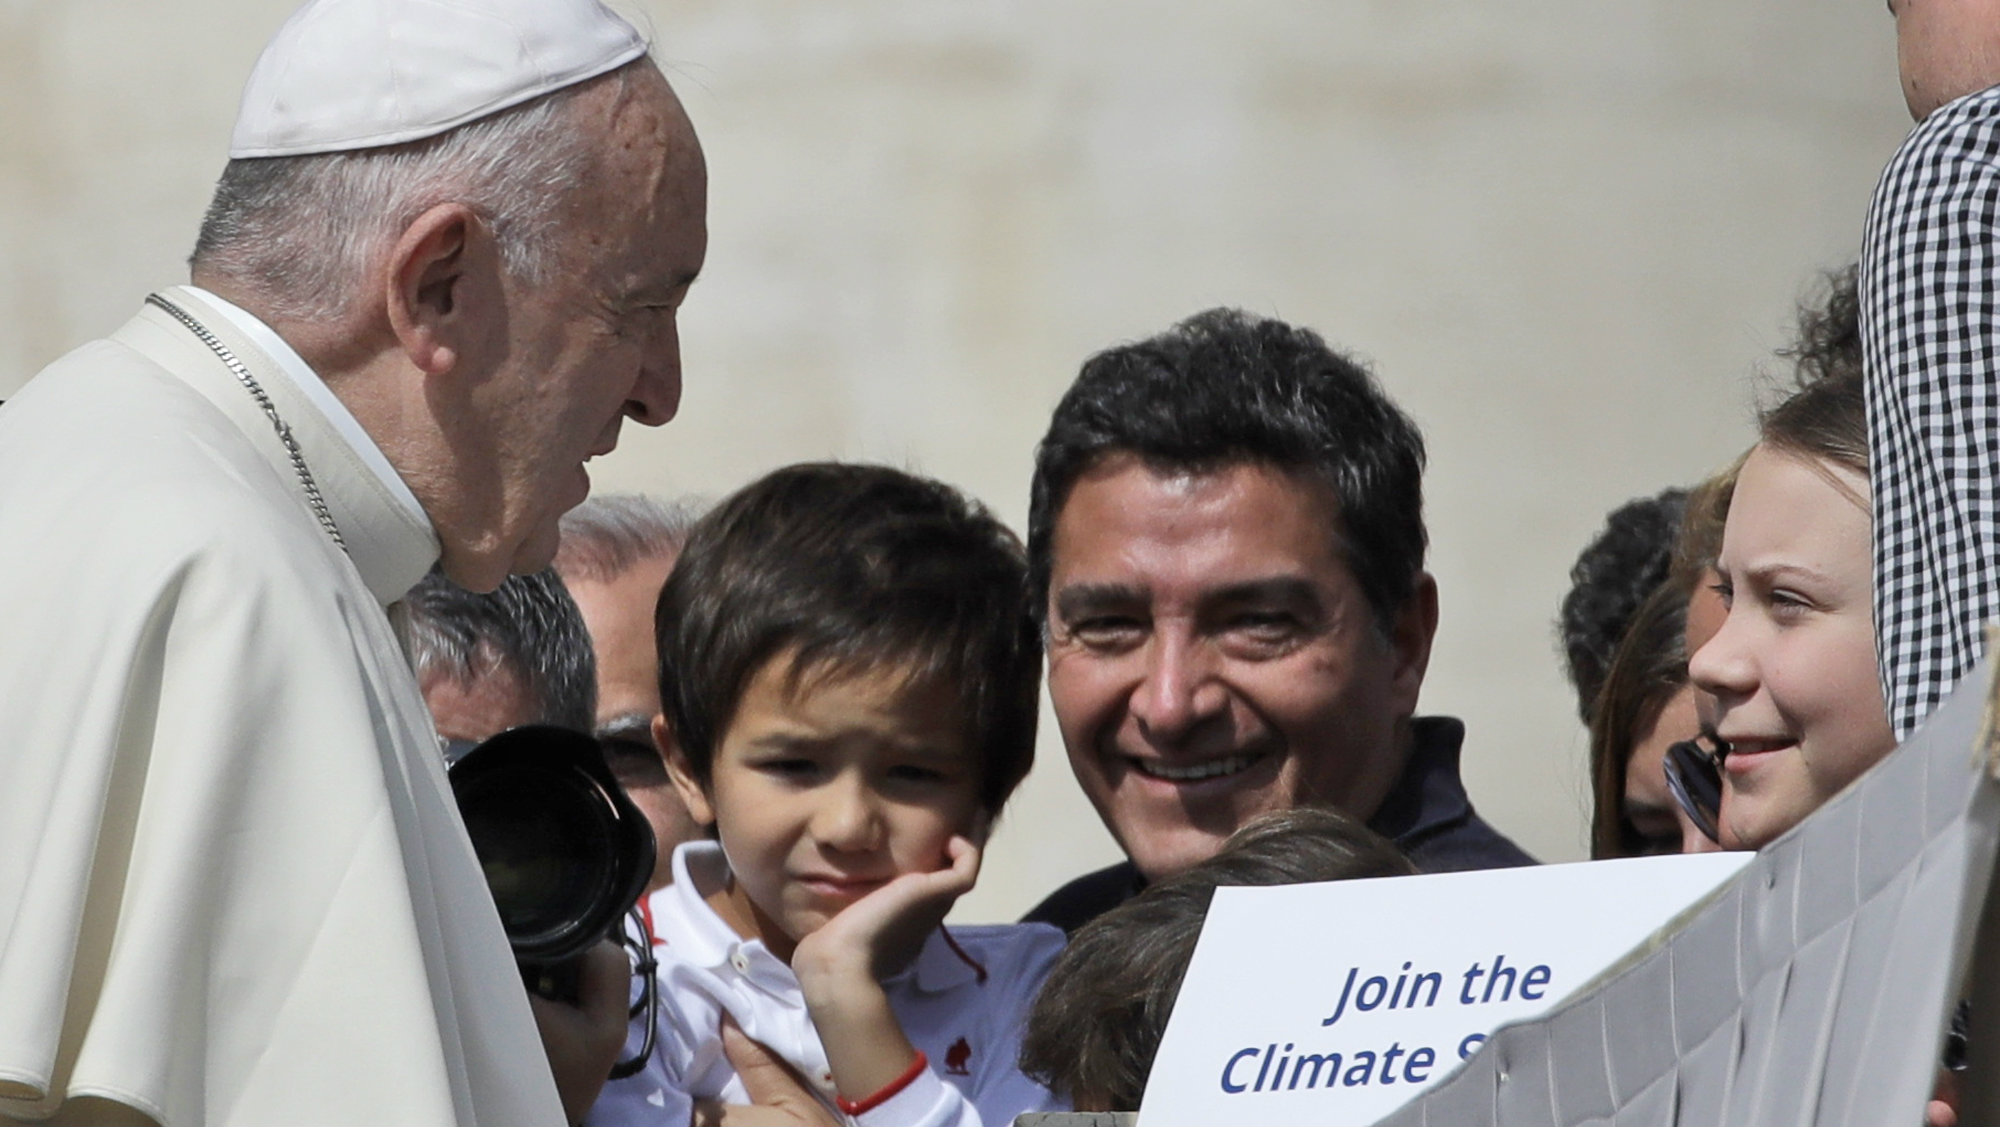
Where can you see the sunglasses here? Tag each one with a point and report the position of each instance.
(1694, 775)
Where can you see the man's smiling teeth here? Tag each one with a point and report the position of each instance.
(1214, 768)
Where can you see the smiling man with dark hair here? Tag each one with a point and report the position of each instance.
(1227, 542)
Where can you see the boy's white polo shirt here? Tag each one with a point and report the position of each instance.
(964, 1001)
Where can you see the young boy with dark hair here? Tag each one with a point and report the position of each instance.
(848, 675)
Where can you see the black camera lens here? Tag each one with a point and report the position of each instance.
(542, 841)
(565, 853)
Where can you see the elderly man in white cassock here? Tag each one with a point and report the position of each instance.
(441, 268)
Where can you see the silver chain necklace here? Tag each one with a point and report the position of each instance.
(250, 384)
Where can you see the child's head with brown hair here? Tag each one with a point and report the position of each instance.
(1097, 1023)
(848, 674)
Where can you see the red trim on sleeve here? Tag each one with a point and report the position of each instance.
(862, 1107)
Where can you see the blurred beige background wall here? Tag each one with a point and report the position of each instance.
(1564, 232)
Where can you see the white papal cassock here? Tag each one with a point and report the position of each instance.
(233, 885)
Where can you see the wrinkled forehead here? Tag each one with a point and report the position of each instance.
(650, 126)
(643, 213)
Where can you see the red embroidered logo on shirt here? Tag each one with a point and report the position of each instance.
(956, 1057)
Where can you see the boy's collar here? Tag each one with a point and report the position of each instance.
(686, 922)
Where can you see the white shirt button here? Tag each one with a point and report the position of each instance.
(740, 961)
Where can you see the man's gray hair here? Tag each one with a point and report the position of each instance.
(605, 536)
(529, 626)
(301, 232)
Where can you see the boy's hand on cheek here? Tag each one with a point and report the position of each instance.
(876, 935)
(841, 967)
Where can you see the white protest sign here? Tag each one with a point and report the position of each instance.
(1318, 1004)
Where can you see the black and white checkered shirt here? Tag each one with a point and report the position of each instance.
(1930, 324)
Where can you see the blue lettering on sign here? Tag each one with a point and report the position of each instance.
(1279, 1070)
(1330, 1061)
(1501, 978)
(1288, 1069)
(1227, 1086)
(1536, 978)
(1376, 992)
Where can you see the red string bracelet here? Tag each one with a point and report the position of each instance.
(861, 1107)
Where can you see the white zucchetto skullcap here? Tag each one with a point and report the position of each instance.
(357, 74)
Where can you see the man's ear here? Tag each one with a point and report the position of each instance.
(1410, 641)
(693, 795)
(428, 284)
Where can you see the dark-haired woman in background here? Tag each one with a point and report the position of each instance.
(1645, 706)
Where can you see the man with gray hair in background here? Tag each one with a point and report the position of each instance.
(442, 267)
(487, 662)
(614, 556)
